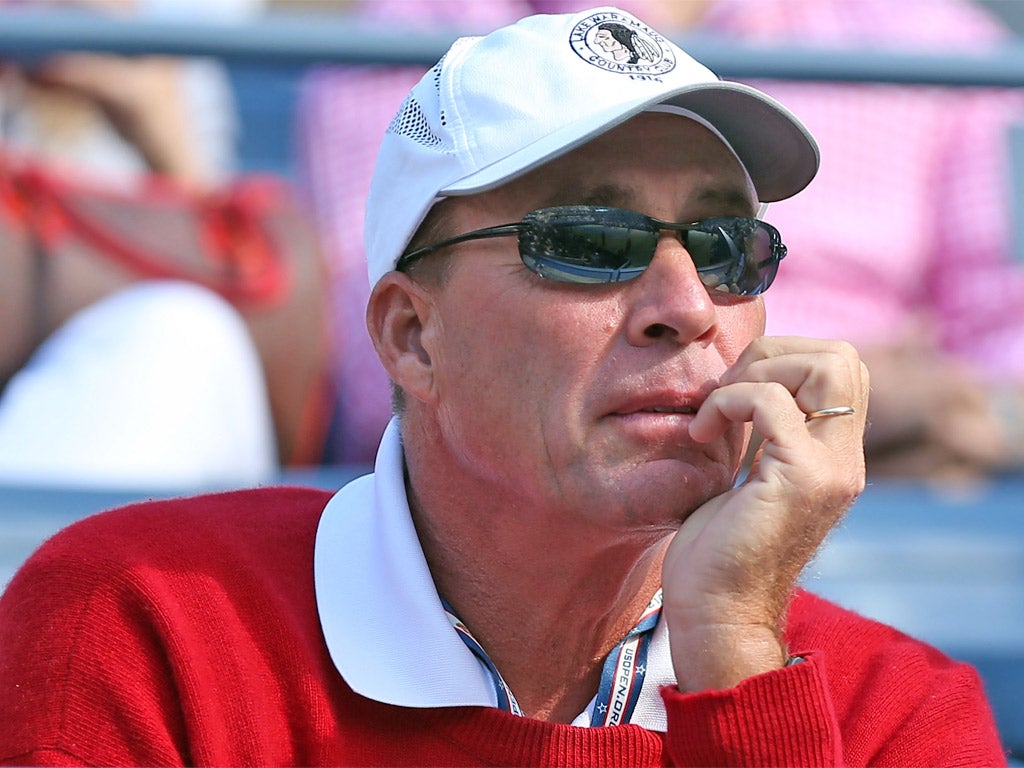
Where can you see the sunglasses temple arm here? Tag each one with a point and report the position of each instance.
(503, 230)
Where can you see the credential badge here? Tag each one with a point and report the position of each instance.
(618, 42)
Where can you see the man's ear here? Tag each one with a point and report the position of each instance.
(398, 317)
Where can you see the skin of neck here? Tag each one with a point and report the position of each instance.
(546, 597)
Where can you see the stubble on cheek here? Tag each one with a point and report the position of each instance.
(643, 490)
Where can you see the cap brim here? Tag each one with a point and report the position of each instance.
(778, 152)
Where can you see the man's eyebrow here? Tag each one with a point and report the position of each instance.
(727, 197)
(609, 195)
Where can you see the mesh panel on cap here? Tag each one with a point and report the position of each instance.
(412, 123)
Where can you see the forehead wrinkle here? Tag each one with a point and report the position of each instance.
(712, 198)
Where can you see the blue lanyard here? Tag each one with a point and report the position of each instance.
(624, 671)
(506, 700)
(621, 678)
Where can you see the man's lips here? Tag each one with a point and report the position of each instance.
(647, 425)
(667, 409)
(659, 402)
(639, 398)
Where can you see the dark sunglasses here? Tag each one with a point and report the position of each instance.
(591, 244)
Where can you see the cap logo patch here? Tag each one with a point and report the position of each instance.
(617, 42)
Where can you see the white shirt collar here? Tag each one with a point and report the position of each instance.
(382, 618)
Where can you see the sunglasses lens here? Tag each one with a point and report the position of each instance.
(580, 244)
(583, 244)
(735, 255)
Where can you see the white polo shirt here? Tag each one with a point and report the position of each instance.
(383, 621)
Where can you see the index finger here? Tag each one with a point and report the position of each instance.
(819, 373)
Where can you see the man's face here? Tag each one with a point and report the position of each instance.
(578, 397)
(607, 41)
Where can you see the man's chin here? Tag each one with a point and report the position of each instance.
(674, 486)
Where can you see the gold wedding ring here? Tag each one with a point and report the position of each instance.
(839, 410)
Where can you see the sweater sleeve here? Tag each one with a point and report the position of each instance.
(908, 705)
(784, 717)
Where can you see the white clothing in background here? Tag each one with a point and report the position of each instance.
(156, 386)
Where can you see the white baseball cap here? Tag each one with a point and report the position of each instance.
(497, 106)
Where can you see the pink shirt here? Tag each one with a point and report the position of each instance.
(907, 225)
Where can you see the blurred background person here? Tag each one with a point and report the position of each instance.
(119, 116)
(109, 378)
(902, 245)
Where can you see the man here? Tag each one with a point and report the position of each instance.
(566, 271)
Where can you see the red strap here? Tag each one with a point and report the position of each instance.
(245, 263)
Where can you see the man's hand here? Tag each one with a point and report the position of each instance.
(731, 568)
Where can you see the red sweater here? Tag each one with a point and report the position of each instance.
(173, 633)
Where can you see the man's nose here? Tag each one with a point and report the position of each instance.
(669, 301)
